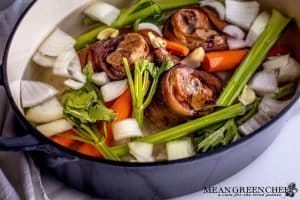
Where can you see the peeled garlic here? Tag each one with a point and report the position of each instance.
(195, 58)
(248, 96)
(108, 33)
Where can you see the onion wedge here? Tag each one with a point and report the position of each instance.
(289, 72)
(113, 90)
(272, 107)
(179, 149)
(75, 85)
(276, 63)
(43, 60)
(67, 65)
(235, 44)
(141, 151)
(100, 78)
(234, 32)
(34, 93)
(57, 43)
(264, 82)
(46, 112)
(258, 26)
(55, 127)
(254, 123)
(241, 13)
(150, 26)
(127, 128)
(103, 12)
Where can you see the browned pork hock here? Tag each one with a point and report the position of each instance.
(196, 27)
(184, 93)
(133, 47)
(107, 56)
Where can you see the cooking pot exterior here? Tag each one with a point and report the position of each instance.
(120, 180)
(162, 181)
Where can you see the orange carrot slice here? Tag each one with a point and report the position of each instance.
(223, 60)
(177, 49)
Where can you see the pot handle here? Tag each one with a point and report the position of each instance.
(27, 143)
(23, 143)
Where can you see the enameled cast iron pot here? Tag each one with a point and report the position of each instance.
(115, 180)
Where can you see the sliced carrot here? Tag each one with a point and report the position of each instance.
(62, 140)
(223, 60)
(177, 49)
(123, 106)
(89, 150)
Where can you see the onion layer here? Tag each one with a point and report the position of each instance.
(103, 12)
(34, 93)
(113, 90)
(57, 43)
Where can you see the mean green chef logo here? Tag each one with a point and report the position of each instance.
(292, 190)
(254, 191)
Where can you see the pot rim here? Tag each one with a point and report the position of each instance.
(33, 131)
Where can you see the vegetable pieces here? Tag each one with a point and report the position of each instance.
(84, 108)
(222, 134)
(195, 58)
(285, 91)
(179, 149)
(64, 141)
(254, 59)
(177, 49)
(123, 107)
(85, 104)
(125, 129)
(89, 150)
(57, 43)
(113, 90)
(248, 96)
(46, 112)
(34, 93)
(264, 82)
(141, 151)
(220, 61)
(185, 129)
(103, 12)
(241, 13)
(54, 127)
(139, 85)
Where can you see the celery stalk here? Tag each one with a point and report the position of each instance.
(106, 151)
(254, 59)
(172, 4)
(285, 91)
(185, 129)
(130, 19)
(88, 38)
(139, 84)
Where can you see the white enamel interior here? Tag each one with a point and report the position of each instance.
(45, 15)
